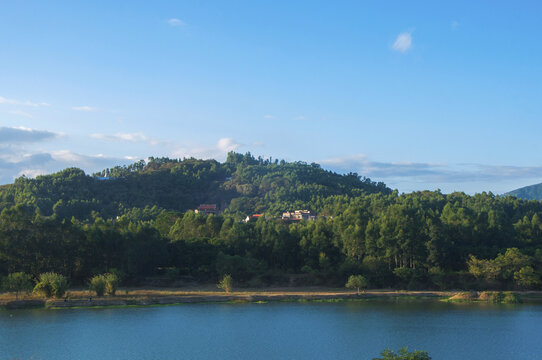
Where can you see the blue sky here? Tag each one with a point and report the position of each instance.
(420, 95)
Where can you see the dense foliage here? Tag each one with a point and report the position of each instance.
(139, 223)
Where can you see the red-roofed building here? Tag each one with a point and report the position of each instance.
(253, 217)
(206, 209)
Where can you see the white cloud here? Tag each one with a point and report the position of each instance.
(227, 144)
(84, 108)
(31, 173)
(31, 165)
(455, 24)
(6, 101)
(268, 117)
(176, 22)
(218, 151)
(20, 113)
(13, 135)
(300, 117)
(403, 42)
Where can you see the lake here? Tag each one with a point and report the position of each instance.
(343, 330)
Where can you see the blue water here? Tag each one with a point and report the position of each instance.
(350, 330)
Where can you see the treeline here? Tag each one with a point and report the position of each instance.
(417, 240)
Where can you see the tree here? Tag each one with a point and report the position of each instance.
(18, 282)
(226, 283)
(526, 277)
(51, 284)
(97, 284)
(356, 282)
(403, 354)
(111, 283)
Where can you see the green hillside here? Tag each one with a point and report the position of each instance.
(242, 185)
(531, 192)
(136, 220)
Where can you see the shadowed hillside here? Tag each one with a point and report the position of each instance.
(531, 192)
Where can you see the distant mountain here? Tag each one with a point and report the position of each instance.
(531, 192)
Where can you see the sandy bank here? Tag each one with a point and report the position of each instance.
(146, 297)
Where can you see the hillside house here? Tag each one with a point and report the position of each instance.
(298, 215)
(207, 209)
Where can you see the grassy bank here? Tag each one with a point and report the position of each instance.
(78, 298)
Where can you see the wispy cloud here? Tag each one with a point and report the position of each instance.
(403, 42)
(13, 135)
(20, 113)
(455, 24)
(431, 173)
(135, 137)
(130, 137)
(84, 108)
(300, 117)
(176, 22)
(6, 101)
(268, 117)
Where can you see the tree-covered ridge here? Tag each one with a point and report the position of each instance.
(243, 184)
(532, 192)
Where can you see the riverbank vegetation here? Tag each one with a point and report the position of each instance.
(136, 221)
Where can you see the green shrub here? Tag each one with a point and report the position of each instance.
(51, 284)
(226, 283)
(97, 284)
(111, 283)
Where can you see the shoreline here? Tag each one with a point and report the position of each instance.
(159, 297)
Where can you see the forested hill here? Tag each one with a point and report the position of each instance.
(418, 240)
(242, 185)
(532, 192)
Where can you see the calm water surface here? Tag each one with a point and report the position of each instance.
(348, 330)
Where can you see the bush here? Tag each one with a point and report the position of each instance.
(226, 283)
(97, 284)
(356, 282)
(491, 296)
(511, 298)
(18, 282)
(51, 284)
(111, 283)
